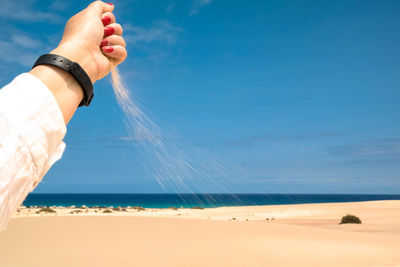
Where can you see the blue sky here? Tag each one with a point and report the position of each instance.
(286, 96)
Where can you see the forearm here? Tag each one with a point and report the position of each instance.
(65, 88)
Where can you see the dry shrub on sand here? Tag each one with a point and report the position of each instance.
(46, 209)
(350, 219)
(197, 208)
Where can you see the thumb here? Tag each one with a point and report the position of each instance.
(100, 7)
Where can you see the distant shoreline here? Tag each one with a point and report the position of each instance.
(193, 200)
(173, 211)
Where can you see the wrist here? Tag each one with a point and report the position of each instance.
(82, 58)
(66, 90)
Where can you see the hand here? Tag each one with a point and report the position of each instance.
(93, 39)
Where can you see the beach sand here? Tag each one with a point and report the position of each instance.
(284, 235)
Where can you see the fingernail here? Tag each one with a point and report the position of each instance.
(106, 20)
(108, 49)
(104, 43)
(108, 31)
(110, 4)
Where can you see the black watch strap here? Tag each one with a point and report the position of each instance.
(74, 69)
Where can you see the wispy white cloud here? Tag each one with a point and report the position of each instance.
(270, 138)
(16, 54)
(21, 48)
(26, 11)
(59, 5)
(170, 7)
(158, 32)
(376, 148)
(25, 41)
(197, 4)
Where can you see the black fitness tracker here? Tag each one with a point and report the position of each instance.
(72, 68)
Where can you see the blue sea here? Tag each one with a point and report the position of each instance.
(192, 200)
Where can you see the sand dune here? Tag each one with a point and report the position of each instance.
(299, 235)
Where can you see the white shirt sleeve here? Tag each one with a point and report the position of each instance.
(31, 132)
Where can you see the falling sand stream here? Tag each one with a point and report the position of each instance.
(170, 162)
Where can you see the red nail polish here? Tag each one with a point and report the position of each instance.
(108, 49)
(106, 20)
(104, 43)
(110, 4)
(108, 31)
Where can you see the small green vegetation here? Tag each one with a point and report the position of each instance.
(47, 209)
(139, 208)
(107, 211)
(75, 211)
(350, 219)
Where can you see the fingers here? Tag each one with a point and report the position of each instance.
(118, 52)
(107, 18)
(100, 7)
(113, 28)
(113, 40)
(113, 45)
